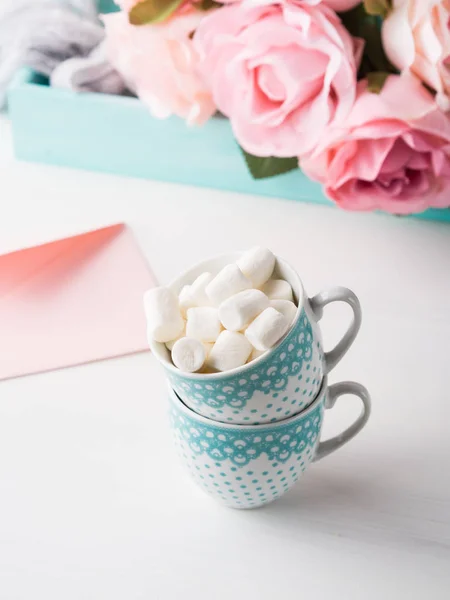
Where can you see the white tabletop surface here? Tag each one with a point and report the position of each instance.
(93, 504)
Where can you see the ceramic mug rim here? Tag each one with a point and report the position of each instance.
(181, 406)
(176, 285)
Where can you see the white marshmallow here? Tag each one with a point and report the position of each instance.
(256, 354)
(206, 368)
(188, 354)
(169, 345)
(164, 320)
(286, 308)
(195, 295)
(230, 351)
(239, 310)
(203, 323)
(267, 329)
(229, 281)
(257, 264)
(185, 299)
(197, 291)
(278, 289)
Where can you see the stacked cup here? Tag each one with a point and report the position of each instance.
(247, 434)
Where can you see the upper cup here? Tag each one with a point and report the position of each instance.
(282, 382)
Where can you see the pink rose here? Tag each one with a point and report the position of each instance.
(159, 63)
(416, 36)
(281, 73)
(392, 153)
(337, 5)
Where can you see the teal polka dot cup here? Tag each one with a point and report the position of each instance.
(246, 466)
(280, 383)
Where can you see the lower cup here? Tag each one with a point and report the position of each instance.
(246, 466)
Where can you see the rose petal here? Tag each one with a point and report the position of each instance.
(283, 73)
(385, 156)
(160, 63)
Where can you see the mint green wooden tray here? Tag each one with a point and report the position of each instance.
(116, 134)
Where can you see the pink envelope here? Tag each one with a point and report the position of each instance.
(72, 301)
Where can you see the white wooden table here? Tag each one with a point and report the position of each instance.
(93, 504)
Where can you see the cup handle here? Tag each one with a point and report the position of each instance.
(338, 294)
(334, 392)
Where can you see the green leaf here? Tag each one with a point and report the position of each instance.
(206, 4)
(261, 167)
(376, 80)
(366, 26)
(152, 11)
(379, 8)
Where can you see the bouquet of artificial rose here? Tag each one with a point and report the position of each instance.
(357, 94)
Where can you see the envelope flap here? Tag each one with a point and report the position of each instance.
(47, 261)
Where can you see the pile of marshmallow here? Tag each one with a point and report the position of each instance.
(223, 321)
